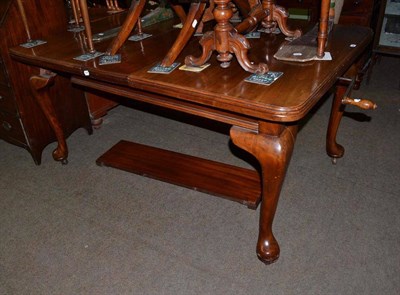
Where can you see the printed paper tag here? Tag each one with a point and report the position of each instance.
(76, 29)
(270, 30)
(157, 69)
(110, 59)
(327, 56)
(265, 79)
(194, 69)
(253, 35)
(33, 43)
(178, 26)
(88, 56)
(235, 19)
(139, 37)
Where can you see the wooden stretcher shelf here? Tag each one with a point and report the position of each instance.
(234, 183)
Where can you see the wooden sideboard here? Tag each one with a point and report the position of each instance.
(22, 122)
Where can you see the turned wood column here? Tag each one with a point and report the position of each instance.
(88, 28)
(24, 20)
(272, 146)
(222, 14)
(226, 41)
(269, 6)
(277, 16)
(323, 28)
(76, 10)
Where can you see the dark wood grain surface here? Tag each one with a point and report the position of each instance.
(288, 99)
(235, 183)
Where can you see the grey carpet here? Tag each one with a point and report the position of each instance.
(85, 229)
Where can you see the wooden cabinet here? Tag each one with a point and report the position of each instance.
(22, 122)
(361, 12)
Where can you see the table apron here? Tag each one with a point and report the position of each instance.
(170, 103)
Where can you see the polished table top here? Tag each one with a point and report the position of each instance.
(263, 118)
(287, 99)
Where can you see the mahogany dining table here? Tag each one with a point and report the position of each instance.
(264, 119)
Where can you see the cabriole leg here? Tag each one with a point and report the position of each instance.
(272, 146)
(333, 149)
(40, 85)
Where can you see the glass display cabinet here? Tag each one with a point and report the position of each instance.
(387, 35)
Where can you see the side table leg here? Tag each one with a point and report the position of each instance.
(341, 99)
(195, 12)
(39, 85)
(272, 147)
(127, 27)
(333, 149)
